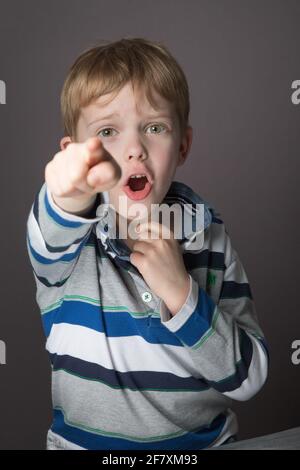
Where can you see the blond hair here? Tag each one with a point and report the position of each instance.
(107, 67)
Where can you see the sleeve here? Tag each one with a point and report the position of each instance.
(223, 338)
(55, 238)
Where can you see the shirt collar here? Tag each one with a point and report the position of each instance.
(179, 193)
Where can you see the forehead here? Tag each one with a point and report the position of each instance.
(130, 99)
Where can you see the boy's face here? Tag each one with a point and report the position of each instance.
(142, 140)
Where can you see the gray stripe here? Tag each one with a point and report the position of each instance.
(142, 415)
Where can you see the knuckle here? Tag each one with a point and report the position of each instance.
(74, 175)
(65, 189)
(134, 257)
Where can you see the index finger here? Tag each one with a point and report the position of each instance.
(94, 151)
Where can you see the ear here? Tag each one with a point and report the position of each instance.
(65, 141)
(185, 145)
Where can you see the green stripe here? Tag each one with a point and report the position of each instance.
(209, 332)
(106, 308)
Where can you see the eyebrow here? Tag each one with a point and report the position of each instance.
(108, 116)
(115, 114)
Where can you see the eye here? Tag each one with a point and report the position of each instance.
(105, 129)
(155, 126)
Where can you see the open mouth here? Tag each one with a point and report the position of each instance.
(136, 183)
(138, 187)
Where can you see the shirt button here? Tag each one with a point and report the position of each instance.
(147, 297)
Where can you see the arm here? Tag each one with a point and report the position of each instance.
(63, 213)
(55, 237)
(223, 338)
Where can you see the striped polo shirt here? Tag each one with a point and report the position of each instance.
(126, 374)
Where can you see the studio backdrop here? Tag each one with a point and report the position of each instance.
(241, 60)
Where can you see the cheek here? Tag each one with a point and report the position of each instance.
(164, 165)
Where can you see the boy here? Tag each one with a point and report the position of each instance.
(149, 340)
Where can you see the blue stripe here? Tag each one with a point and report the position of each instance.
(199, 322)
(198, 439)
(68, 257)
(57, 218)
(113, 324)
(134, 380)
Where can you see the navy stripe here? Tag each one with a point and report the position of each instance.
(265, 345)
(198, 439)
(135, 380)
(67, 257)
(215, 220)
(206, 258)
(46, 283)
(234, 290)
(36, 207)
(59, 249)
(235, 381)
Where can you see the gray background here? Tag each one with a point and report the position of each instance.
(240, 58)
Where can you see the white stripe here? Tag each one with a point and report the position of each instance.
(123, 354)
(56, 442)
(214, 238)
(230, 429)
(38, 243)
(257, 374)
(235, 272)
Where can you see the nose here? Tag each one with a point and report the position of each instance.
(135, 150)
